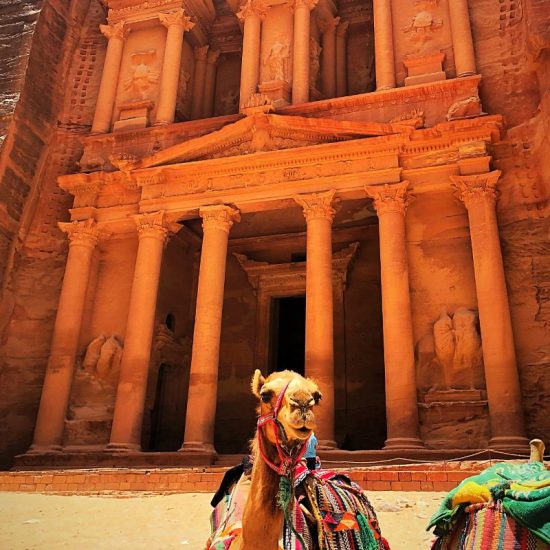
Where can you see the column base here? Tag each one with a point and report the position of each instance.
(326, 445)
(466, 74)
(403, 443)
(197, 447)
(382, 88)
(162, 122)
(124, 447)
(43, 449)
(512, 444)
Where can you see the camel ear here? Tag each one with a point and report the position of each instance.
(317, 396)
(257, 382)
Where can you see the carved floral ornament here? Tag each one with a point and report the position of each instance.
(221, 217)
(389, 198)
(477, 188)
(309, 4)
(177, 18)
(84, 233)
(256, 8)
(156, 225)
(317, 205)
(118, 31)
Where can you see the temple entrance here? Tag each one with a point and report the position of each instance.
(288, 333)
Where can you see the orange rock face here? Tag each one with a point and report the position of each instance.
(190, 191)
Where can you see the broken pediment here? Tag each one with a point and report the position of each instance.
(265, 132)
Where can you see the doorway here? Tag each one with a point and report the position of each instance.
(288, 334)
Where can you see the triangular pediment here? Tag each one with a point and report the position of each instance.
(264, 132)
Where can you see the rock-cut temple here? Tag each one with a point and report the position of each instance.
(356, 190)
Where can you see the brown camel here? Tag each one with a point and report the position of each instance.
(286, 420)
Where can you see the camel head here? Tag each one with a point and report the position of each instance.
(295, 416)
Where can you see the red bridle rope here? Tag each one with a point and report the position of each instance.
(288, 461)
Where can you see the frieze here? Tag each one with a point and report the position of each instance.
(146, 6)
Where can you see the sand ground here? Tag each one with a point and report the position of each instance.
(152, 521)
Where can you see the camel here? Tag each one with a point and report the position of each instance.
(506, 506)
(285, 422)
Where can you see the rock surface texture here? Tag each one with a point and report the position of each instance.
(52, 53)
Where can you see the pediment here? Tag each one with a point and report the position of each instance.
(265, 132)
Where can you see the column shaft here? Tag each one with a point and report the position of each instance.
(383, 45)
(499, 357)
(134, 369)
(300, 60)
(319, 352)
(341, 60)
(198, 82)
(109, 77)
(463, 45)
(401, 402)
(56, 390)
(177, 24)
(328, 59)
(203, 380)
(210, 83)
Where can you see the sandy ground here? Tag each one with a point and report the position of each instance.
(124, 520)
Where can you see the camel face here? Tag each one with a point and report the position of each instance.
(295, 414)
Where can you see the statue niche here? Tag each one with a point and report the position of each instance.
(450, 357)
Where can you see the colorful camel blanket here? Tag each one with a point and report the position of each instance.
(521, 491)
(329, 511)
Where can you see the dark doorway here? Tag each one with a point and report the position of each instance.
(288, 334)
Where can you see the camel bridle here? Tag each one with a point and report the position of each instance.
(288, 458)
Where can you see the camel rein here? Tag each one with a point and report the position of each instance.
(288, 460)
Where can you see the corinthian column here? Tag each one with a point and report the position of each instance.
(390, 202)
(210, 83)
(463, 45)
(300, 50)
(383, 44)
(198, 82)
(203, 381)
(103, 115)
(251, 14)
(153, 230)
(48, 433)
(319, 214)
(177, 23)
(478, 192)
(341, 60)
(328, 57)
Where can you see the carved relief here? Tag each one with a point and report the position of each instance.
(276, 61)
(143, 77)
(314, 63)
(469, 107)
(450, 357)
(102, 359)
(422, 26)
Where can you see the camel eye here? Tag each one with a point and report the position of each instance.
(266, 395)
(317, 397)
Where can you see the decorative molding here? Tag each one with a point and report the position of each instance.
(389, 198)
(83, 233)
(317, 205)
(477, 188)
(220, 217)
(177, 18)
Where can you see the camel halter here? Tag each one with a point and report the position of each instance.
(288, 461)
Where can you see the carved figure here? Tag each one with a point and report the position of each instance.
(469, 107)
(142, 77)
(277, 61)
(451, 357)
(286, 422)
(102, 358)
(314, 64)
(92, 353)
(184, 84)
(422, 26)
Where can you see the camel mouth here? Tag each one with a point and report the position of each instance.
(303, 432)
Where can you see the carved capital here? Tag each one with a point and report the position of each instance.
(477, 188)
(309, 4)
(176, 18)
(329, 24)
(201, 52)
(157, 225)
(317, 205)
(342, 29)
(252, 8)
(213, 56)
(220, 217)
(84, 233)
(115, 30)
(389, 198)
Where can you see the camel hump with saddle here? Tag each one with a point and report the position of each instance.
(278, 503)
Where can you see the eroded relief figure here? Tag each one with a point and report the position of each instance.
(143, 77)
(450, 357)
(102, 358)
(314, 64)
(277, 61)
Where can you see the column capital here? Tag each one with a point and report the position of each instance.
(158, 225)
(477, 188)
(176, 18)
(330, 24)
(250, 8)
(220, 217)
(389, 198)
(317, 205)
(309, 4)
(115, 30)
(342, 28)
(213, 56)
(83, 233)
(201, 52)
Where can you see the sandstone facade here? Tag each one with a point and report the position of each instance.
(210, 163)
